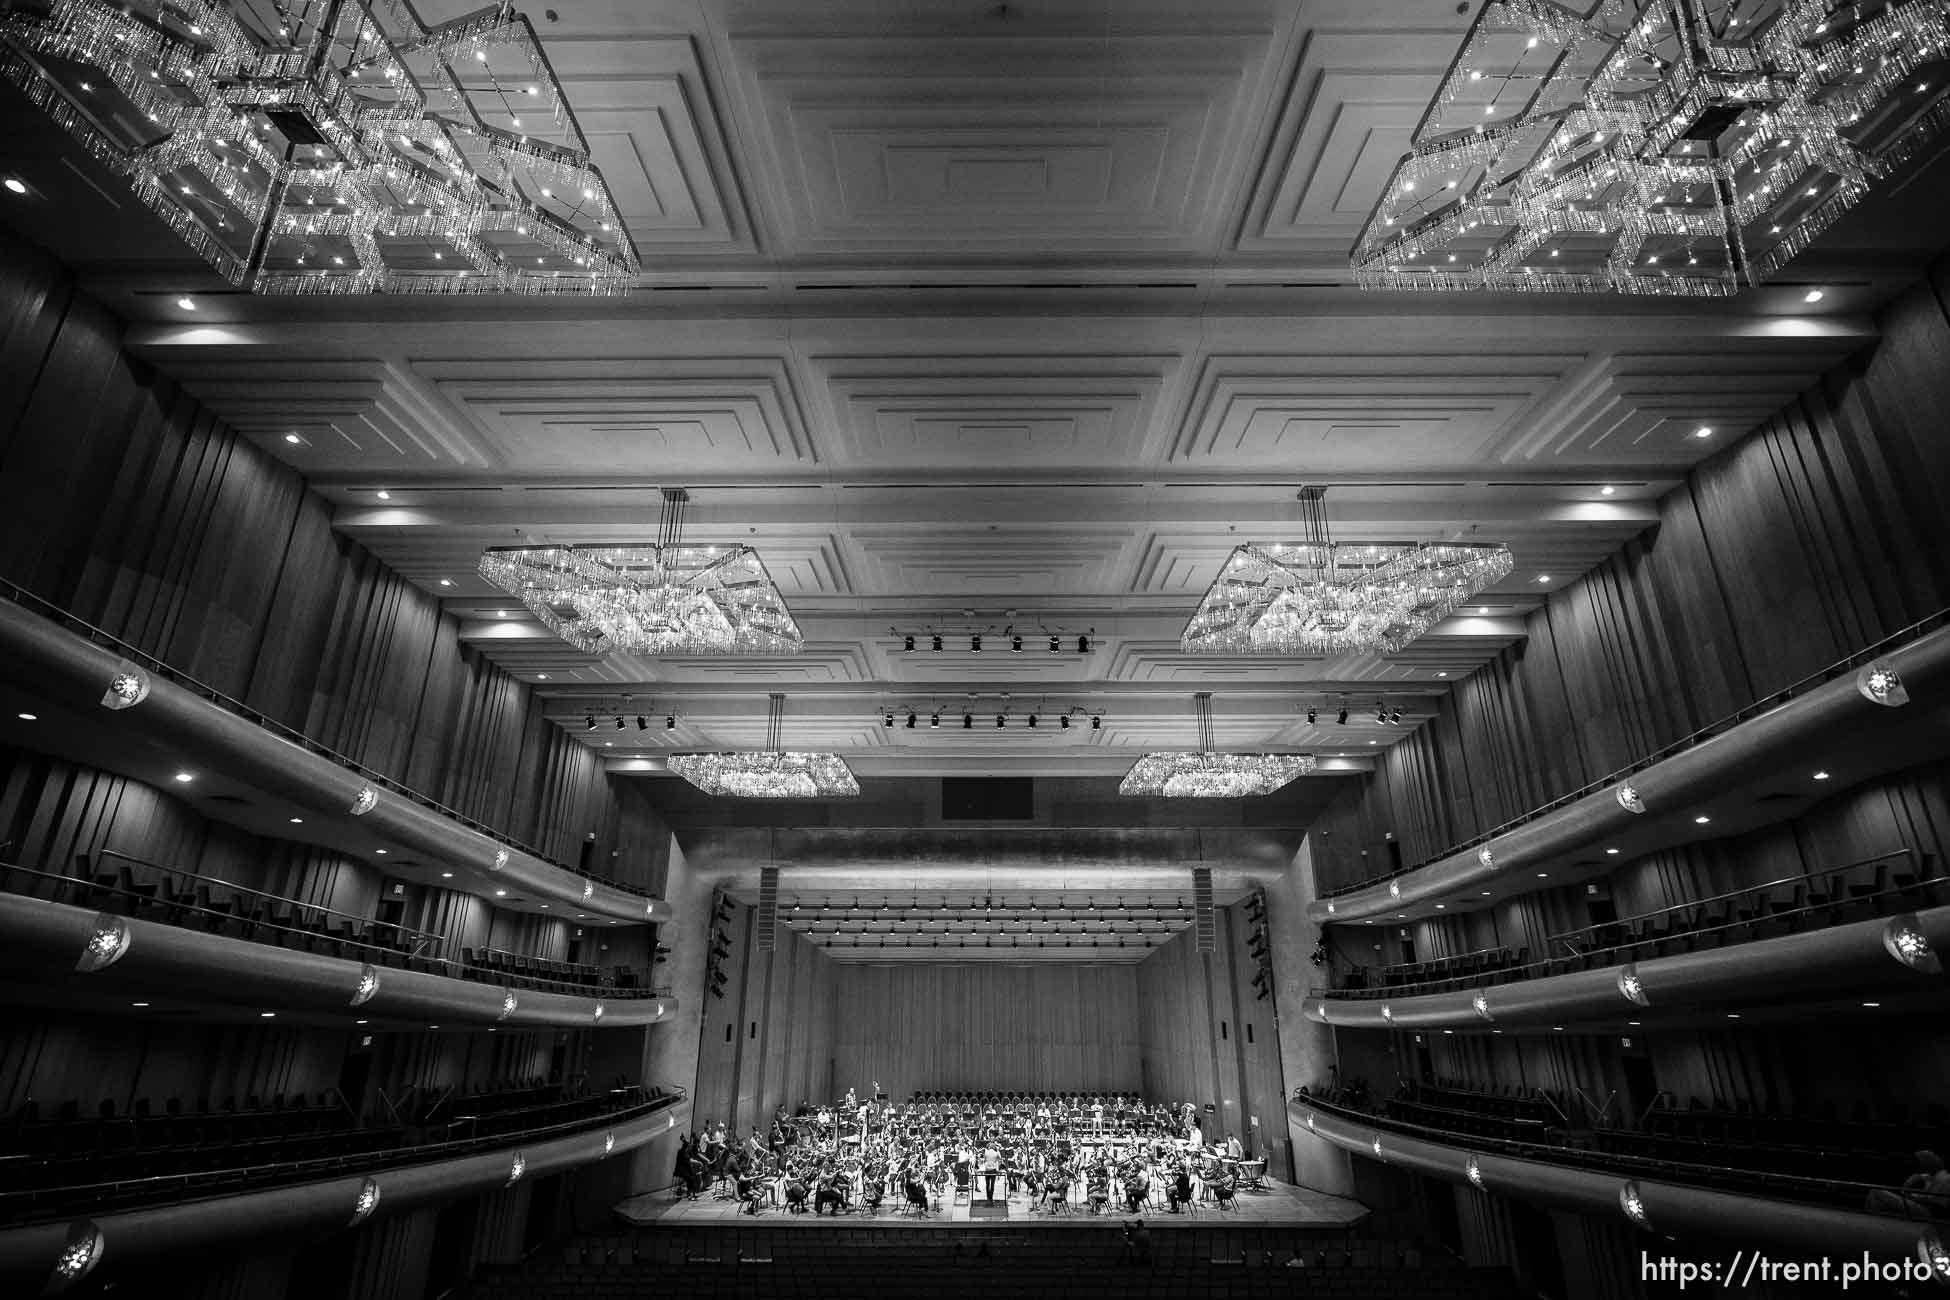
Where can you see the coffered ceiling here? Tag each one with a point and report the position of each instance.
(972, 315)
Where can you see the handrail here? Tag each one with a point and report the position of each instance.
(426, 938)
(1560, 965)
(452, 968)
(1554, 1153)
(1566, 936)
(1928, 623)
(19, 595)
(296, 1170)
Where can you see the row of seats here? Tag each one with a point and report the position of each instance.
(1891, 1129)
(193, 902)
(1799, 1161)
(1835, 898)
(40, 1185)
(1481, 1114)
(68, 1131)
(1000, 1098)
(1467, 965)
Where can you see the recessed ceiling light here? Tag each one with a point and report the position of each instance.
(1733, 1015)
(544, 907)
(186, 302)
(267, 1015)
(28, 717)
(1702, 819)
(1872, 1004)
(1442, 674)
(293, 439)
(17, 185)
(501, 613)
(1704, 431)
(1821, 775)
(297, 821)
(1635, 1023)
(1543, 577)
(1813, 295)
(1374, 742)
(144, 1004)
(1607, 490)
(358, 1022)
(1482, 609)
(541, 677)
(1543, 875)
(500, 893)
(186, 777)
(1613, 852)
(384, 495)
(380, 852)
(1486, 893)
(1440, 906)
(446, 582)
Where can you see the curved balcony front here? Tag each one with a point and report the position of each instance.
(1895, 954)
(1805, 1216)
(100, 959)
(1652, 807)
(70, 671)
(72, 1232)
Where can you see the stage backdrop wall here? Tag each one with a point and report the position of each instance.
(1056, 1028)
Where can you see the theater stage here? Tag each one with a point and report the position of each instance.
(1277, 1206)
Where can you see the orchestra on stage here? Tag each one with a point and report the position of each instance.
(1061, 1154)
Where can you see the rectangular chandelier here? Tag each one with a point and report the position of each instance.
(770, 773)
(333, 146)
(1319, 597)
(1687, 147)
(667, 599)
(1205, 773)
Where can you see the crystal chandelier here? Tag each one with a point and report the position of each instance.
(1207, 774)
(332, 146)
(1685, 147)
(1325, 597)
(667, 599)
(770, 773)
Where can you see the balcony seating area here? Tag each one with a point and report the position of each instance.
(1745, 1151)
(1472, 966)
(1000, 1098)
(74, 1162)
(1857, 891)
(1187, 1265)
(1511, 1113)
(114, 882)
(1809, 1143)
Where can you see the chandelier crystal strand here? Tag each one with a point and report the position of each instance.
(771, 773)
(1319, 597)
(1653, 146)
(667, 599)
(336, 147)
(1207, 774)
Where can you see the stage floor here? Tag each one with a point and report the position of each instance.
(1277, 1206)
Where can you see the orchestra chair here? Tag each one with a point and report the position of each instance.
(964, 1181)
(917, 1200)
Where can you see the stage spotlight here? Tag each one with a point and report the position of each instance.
(1001, 720)
(1055, 643)
(724, 910)
(934, 721)
(1065, 723)
(889, 721)
(909, 643)
(589, 722)
(1083, 645)
(1015, 645)
(967, 721)
(1311, 714)
(937, 643)
(642, 723)
(1032, 722)
(910, 721)
(1380, 714)
(1342, 719)
(1395, 717)
(670, 722)
(975, 643)
(1096, 722)
(619, 722)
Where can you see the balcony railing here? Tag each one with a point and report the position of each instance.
(198, 902)
(1746, 1180)
(1840, 668)
(54, 613)
(20, 1205)
(1853, 891)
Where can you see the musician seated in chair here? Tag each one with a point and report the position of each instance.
(796, 1192)
(915, 1191)
(1180, 1191)
(1099, 1187)
(832, 1191)
(1224, 1186)
(751, 1194)
(1137, 1190)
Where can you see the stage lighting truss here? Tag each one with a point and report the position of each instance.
(338, 147)
(974, 712)
(1686, 147)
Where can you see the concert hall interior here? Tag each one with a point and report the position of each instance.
(759, 648)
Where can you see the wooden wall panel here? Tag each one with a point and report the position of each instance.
(768, 1042)
(1825, 529)
(986, 1026)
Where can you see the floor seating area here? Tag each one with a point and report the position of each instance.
(1070, 1265)
(163, 1151)
(1859, 891)
(129, 887)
